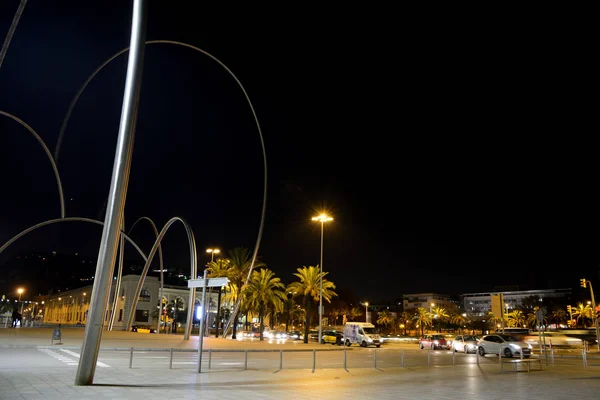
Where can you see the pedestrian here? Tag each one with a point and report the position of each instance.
(20, 318)
(15, 317)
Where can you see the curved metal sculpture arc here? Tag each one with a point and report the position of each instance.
(54, 167)
(11, 30)
(264, 207)
(160, 259)
(67, 219)
(193, 272)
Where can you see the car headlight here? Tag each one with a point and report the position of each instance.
(435, 342)
(529, 346)
(370, 340)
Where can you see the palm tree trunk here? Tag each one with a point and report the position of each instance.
(234, 325)
(262, 324)
(307, 321)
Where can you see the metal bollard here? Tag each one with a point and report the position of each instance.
(402, 358)
(171, 359)
(552, 355)
(245, 359)
(131, 357)
(453, 357)
(281, 359)
(584, 357)
(345, 360)
(429, 358)
(209, 357)
(314, 359)
(477, 354)
(500, 356)
(375, 358)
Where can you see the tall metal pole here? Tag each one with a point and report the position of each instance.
(116, 198)
(321, 288)
(594, 316)
(202, 324)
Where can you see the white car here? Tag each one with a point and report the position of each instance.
(465, 344)
(557, 339)
(510, 346)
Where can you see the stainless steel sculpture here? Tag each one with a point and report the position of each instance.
(54, 167)
(193, 273)
(264, 207)
(116, 198)
(66, 219)
(11, 30)
(120, 272)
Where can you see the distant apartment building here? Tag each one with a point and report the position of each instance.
(480, 304)
(429, 301)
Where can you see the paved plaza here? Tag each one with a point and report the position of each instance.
(25, 374)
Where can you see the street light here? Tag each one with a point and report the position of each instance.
(366, 310)
(322, 219)
(212, 253)
(20, 291)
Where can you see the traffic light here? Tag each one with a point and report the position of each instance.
(583, 283)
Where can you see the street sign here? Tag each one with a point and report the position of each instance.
(212, 282)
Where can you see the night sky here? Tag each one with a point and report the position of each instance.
(451, 154)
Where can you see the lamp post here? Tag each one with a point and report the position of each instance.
(366, 311)
(584, 284)
(20, 291)
(322, 219)
(212, 253)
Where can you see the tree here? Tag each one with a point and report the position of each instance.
(385, 318)
(309, 287)
(441, 314)
(264, 293)
(404, 320)
(354, 312)
(237, 273)
(423, 318)
(460, 321)
(559, 316)
(334, 314)
(581, 313)
(218, 269)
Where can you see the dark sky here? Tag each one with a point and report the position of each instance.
(451, 153)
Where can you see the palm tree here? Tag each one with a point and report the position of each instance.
(264, 293)
(239, 265)
(581, 313)
(516, 318)
(459, 320)
(559, 316)
(385, 318)
(309, 286)
(404, 320)
(423, 318)
(440, 313)
(218, 269)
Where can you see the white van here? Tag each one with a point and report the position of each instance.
(361, 333)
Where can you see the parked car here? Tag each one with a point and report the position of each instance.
(434, 342)
(333, 337)
(465, 344)
(557, 339)
(143, 329)
(509, 345)
(313, 335)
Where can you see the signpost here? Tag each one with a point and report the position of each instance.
(204, 283)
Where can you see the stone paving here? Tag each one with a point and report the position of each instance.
(17, 381)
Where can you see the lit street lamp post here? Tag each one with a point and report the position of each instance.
(322, 219)
(366, 311)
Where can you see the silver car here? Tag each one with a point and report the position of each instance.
(508, 345)
(465, 344)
